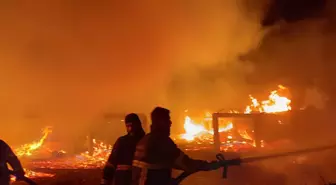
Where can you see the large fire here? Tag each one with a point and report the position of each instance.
(85, 160)
(274, 104)
(196, 131)
(27, 149)
(193, 129)
(199, 132)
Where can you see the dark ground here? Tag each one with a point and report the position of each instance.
(92, 177)
(245, 175)
(303, 170)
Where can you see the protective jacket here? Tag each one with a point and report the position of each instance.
(118, 169)
(7, 156)
(155, 157)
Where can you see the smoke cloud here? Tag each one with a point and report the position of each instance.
(65, 63)
(299, 52)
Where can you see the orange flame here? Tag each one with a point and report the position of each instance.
(274, 104)
(194, 132)
(196, 129)
(100, 154)
(32, 174)
(27, 149)
(85, 160)
(191, 129)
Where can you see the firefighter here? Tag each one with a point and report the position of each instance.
(156, 154)
(118, 169)
(7, 156)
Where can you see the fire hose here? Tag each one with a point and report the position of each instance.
(24, 179)
(237, 161)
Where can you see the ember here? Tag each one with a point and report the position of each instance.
(32, 174)
(84, 160)
(28, 149)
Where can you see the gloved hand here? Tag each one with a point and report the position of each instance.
(213, 165)
(19, 175)
(234, 162)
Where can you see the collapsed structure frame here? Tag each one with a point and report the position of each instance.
(255, 117)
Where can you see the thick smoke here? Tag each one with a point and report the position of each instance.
(65, 63)
(212, 76)
(298, 52)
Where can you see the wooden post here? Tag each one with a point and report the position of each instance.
(256, 120)
(216, 133)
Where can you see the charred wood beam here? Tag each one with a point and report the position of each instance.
(242, 115)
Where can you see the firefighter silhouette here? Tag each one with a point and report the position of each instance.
(118, 169)
(7, 156)
(156, 154)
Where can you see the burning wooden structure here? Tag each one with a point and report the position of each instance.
(236, 129)
(255, 123)
(222, 131)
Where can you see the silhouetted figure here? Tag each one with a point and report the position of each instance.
(118, 169)
(156, 154)
(7, 156)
